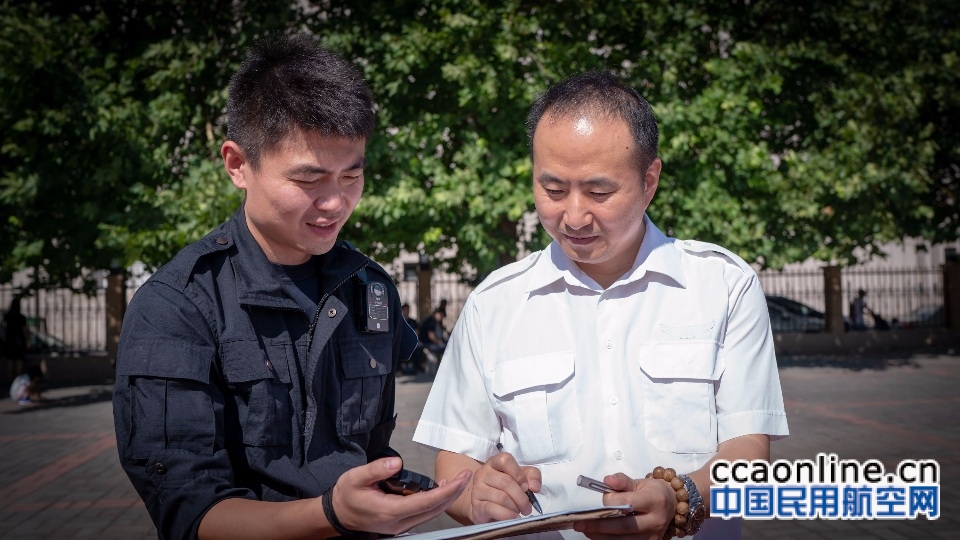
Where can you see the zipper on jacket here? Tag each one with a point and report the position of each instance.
(323, 300)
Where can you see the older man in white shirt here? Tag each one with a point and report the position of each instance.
(613, 351)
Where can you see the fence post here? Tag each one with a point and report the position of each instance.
(833, 299)
(424, 292)
(116, 297)
(951, 295)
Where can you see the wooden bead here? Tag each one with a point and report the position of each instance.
(681, 534)
(649, 475)
(679, 520)
(676, 483)
(683, 508)
(669, 474)
(658, 473)
(683, 495)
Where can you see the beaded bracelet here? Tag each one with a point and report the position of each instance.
(677, 527)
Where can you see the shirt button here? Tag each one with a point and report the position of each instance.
(268, 363)
(614, 400)
(222, 240)
(618, 455)
(160, 469)
(609, 344)
(373, 363)
(332, 312)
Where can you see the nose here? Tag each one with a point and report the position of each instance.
(328, 198)
(577, 214)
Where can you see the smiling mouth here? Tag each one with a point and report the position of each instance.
(580, 239)
(323, 226)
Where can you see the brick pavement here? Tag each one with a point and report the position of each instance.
(59, 476)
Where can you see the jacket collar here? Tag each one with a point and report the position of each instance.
(657, 254)
(260, 282)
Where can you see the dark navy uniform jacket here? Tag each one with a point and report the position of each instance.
(226, 388)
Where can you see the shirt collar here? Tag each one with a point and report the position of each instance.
(657, 254)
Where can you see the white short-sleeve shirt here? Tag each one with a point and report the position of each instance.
(672, 359)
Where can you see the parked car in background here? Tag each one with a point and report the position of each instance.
(929, 316)
(788, 315)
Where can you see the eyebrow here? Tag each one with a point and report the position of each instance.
(600, 182)
(307, 169)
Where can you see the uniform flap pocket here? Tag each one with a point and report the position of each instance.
(245, 361)
(166, 359)
(685, 359)
(532, 371)
(367, 357)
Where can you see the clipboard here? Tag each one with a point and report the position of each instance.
(535, 523)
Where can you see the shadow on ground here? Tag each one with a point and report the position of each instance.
(853, 362)
(96, 394)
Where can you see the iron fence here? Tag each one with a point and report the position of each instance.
(68, 322)
(902, 297)
(61, 321)
(443, 287)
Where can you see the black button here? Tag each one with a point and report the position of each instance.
(222, 240)
(160, 469)
(268, 363)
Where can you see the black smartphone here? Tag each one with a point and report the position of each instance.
(407, 482)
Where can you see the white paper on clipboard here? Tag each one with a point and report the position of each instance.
(535, 523)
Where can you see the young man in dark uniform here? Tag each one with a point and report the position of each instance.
(255, 376)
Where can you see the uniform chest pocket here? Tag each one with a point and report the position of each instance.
(260, 413)
(538, 405)
(679, 402)
(367, 362)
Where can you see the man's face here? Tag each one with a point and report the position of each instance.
(589, 193)
(302, 194)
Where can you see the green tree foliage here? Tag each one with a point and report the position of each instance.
(789, 130)
(111, 113)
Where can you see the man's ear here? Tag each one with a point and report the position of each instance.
(235, 162)
(651, 180)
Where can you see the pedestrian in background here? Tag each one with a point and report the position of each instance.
(25, 388)
(16, 339)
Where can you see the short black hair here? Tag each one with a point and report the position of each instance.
(35, 372)
(603, 94)
(288, 83)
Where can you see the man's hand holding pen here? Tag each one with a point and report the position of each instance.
(499, 489)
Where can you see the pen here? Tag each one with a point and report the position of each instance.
(530, 495)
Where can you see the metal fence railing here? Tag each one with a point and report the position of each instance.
(904, 298)
(61, 321)
(64, 321)
(442, 287)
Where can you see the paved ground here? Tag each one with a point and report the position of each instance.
(59, 477)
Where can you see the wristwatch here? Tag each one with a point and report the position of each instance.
(698, 511)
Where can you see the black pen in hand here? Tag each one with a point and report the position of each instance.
(530, 495)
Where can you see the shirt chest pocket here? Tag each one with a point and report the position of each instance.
(679, 403)
(366, 365)
(537, 404)
(260, 413)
